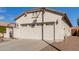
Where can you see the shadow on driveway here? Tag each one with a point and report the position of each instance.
(50, 47)
(70, 44)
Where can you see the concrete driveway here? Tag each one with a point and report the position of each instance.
(25, 45)
(70, 44)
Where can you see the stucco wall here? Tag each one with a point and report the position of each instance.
(16, 33)
(29, 18)
(66, 29)
(7, 34)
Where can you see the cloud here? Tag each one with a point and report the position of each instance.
(2, 17)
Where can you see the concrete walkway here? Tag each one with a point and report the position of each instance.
(25, 45)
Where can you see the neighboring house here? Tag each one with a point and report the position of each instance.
(9, 30)
(42, 24)
(75, 31)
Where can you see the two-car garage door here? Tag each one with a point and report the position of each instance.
(35, 32)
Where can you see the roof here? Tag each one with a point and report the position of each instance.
(77, 27)
(46, 9)
(11, 25)
(5, 24)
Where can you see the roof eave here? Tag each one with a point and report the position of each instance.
(68, 21)
(46, 9)
(40, 9)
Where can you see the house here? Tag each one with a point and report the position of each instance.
(5, 29)
(9, 30)
(75, 31)
(42, 24)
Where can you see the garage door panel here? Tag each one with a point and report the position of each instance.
(30, 32)
(49, 33)
(36, 32)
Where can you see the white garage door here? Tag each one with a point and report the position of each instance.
(49, 33)
(36, 32)
(29, 32)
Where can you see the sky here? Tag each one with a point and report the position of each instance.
(8, 14)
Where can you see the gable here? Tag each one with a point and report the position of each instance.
(51, 17)
(48, 10)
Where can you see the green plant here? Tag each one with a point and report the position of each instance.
(2, 29)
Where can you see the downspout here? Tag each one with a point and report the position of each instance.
(54, 31)
(42, 24)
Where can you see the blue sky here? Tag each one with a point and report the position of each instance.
(8, 14)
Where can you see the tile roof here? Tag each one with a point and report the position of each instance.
(5, 24)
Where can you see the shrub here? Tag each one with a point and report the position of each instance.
(2, 29)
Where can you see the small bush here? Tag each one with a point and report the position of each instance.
(2, 29)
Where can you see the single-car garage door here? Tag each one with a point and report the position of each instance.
(48, 32)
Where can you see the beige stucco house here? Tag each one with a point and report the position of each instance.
(42, 24)
(9, 30)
